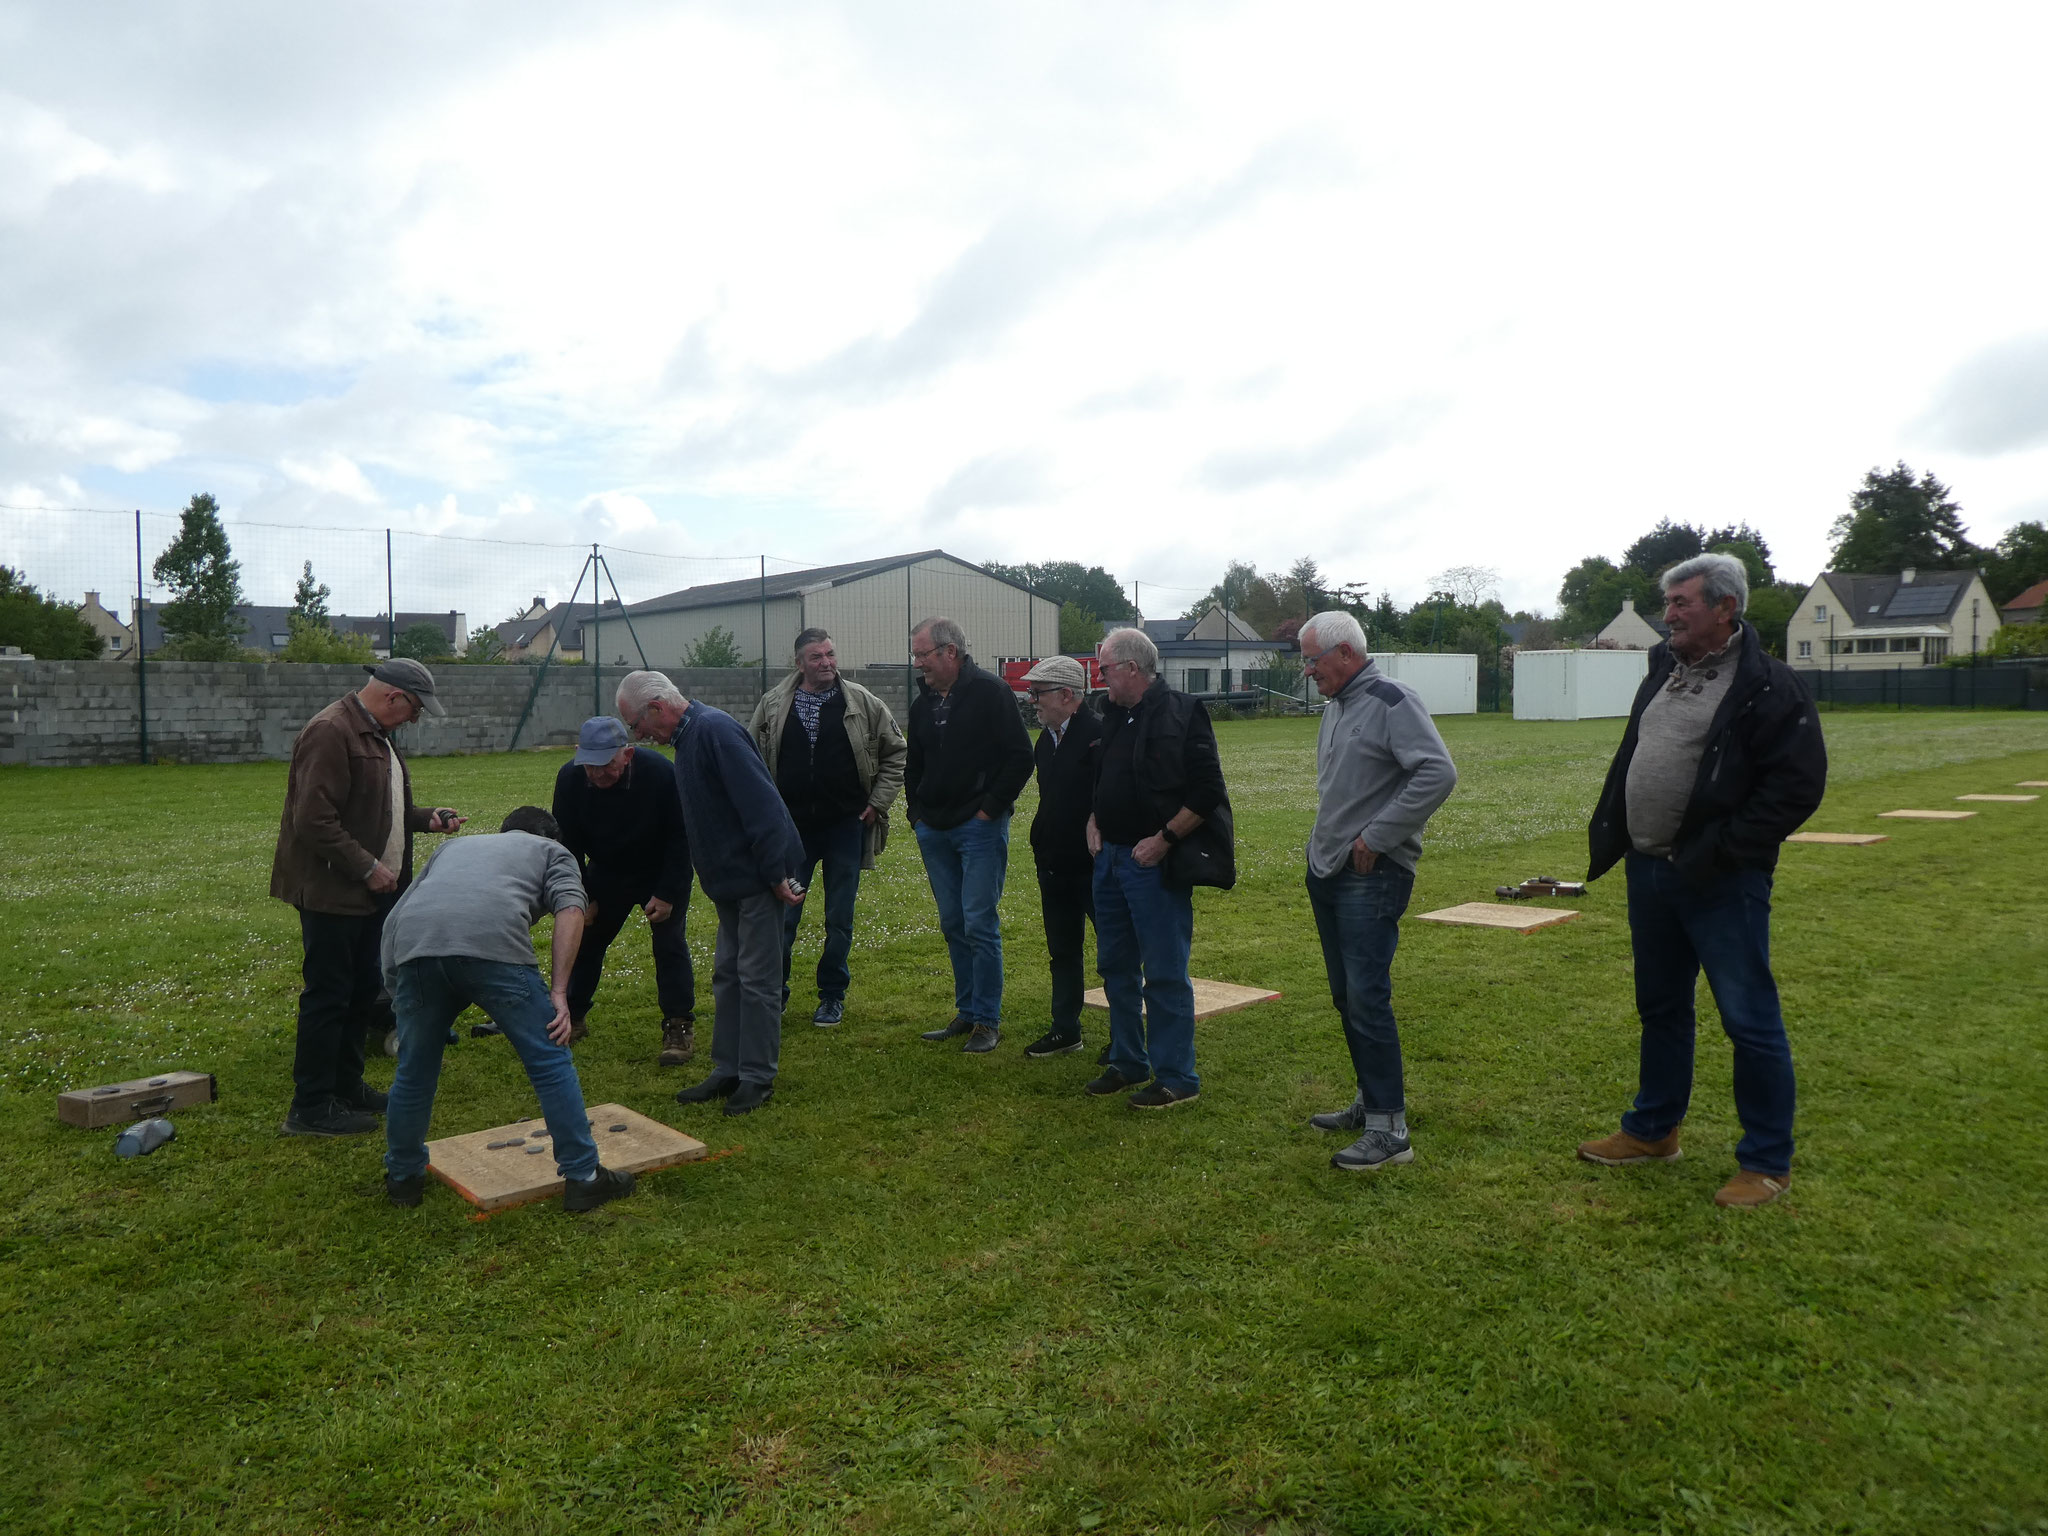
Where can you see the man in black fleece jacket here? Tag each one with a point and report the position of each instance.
(616, 805)
(969, 757)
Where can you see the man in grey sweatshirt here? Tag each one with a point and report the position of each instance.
(463, 934)
(1381, 772)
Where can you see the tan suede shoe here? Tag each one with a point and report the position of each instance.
(1621, 1149)
(1748, 1188)
(678, 1042)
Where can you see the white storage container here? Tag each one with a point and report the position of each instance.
(1448, 685)
(1577, 685)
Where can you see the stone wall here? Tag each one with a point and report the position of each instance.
(75, 713)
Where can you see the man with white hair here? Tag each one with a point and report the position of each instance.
(1160, 787)
(1721, 762)
(1381, 772)
(746, 852)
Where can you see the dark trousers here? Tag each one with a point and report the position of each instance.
(746, 1025)
(837, 846)
(1066, 898)
(341, 1001)
(1677, 930)
(1358, 918)
(675, 981)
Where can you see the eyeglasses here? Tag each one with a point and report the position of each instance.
(1308, 662)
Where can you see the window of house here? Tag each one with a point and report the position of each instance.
(1805, 650)
(1937, 652)
(1820, 613)
(1868, 647)
(1198, 680)
(280, 641)
(1844, 647)
(1906, 642)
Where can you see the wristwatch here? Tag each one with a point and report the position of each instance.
(1171, 837)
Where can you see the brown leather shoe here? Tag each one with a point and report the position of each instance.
(578, 1030)
(1622, 1149)
(1749, 1188)
(678, 1042)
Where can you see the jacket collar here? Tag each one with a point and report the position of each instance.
(1364, 676)
(364, 720)
(968, 671)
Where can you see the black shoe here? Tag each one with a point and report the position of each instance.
(362, 1096)
(1054, 1044)
(332, 1118)
(831, 1011)
(986, 1037)
(1349, 1118)
(1112, 1081)
(405, 1193)
(484, 1031)
(713, 1087)
(1159, 1096)
(1102, 1059)
(952, 1031)
(748, 1097)
(589, 1194)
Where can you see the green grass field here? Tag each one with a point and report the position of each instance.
(924, 1291)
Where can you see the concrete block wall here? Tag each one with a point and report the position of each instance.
(79, 713)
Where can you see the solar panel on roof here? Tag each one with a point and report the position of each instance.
(1919, 602)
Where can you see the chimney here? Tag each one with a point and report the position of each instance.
(1628, 605)
(1906, 576)
(92, 599)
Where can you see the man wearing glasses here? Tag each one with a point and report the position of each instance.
(969, 756)
(1067, 755)
(344, 856)
(1381, 772)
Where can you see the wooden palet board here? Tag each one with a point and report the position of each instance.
(1494, 914)
(492, 1178)
(1211, 997)
(1925, 815)
(136, 1099)
(2034, 783)
(2003, 799)
(1843, 839)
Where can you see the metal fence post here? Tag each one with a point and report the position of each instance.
(390, 608)
(141, 667)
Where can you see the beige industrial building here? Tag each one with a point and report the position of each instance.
(867, 606)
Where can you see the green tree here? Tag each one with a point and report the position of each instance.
(1895, 521)
(1080, 630)
(1244, 592)
(309, 602)
(206, 585)
(1592, 592)
(1742, 533)
(41, 626)
(1770, 611)
(486, 645)
(2019, 560)
(1304, 593)
(423, 641)
(1661, 548)
(718, 648)
(1754, 561)
(1068, 581)
(311, 641)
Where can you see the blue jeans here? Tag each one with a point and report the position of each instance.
(431, 992)
(1679, 929)
(1144, 928)
(1358, 918)
(837, 846)
(966, 866)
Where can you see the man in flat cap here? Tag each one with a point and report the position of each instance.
(344, 855)
(617, 809)
(1065, 756)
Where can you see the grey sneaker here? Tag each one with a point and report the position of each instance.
(1350, 1118)
(983, 1040)
(1374, 1149)
(831, 1010)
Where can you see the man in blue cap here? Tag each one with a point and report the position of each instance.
(620, 816)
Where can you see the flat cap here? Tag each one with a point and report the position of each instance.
(412, 676)
(1058, 672)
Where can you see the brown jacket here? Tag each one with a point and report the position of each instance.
(337, 813)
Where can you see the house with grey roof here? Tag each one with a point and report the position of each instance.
(1849, 622)
(1632, 631)
(1207, 653)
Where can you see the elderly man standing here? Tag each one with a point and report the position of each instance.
(969, 757)
(1721, 761)
(1161, 783)
(344, 855)
(836, 755)
(617, 807)
(1067, 755)
(746, 853)
(1381, 772)
(462, 936)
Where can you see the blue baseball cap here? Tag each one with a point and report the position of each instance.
(599, 740)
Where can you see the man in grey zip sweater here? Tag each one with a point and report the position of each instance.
(1381, 772)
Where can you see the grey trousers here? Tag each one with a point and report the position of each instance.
(746, 989)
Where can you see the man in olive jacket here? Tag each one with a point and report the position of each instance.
(344, 855)
(1721, 761)
(836, 756)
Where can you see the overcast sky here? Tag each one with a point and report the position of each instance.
(1155, 286)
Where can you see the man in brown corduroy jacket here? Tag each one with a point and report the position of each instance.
(344, 854)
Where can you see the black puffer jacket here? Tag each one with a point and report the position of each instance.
(1762, 774)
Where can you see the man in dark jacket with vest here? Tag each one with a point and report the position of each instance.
(1721, 761)
(1067, 755)
(617, 808)
(344, 856)
(746, 853)
(969, 757)
(1160, 780)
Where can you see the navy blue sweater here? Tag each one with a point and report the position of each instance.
(628, 840)
(742, 841)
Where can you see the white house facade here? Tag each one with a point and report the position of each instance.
(1848, 622)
